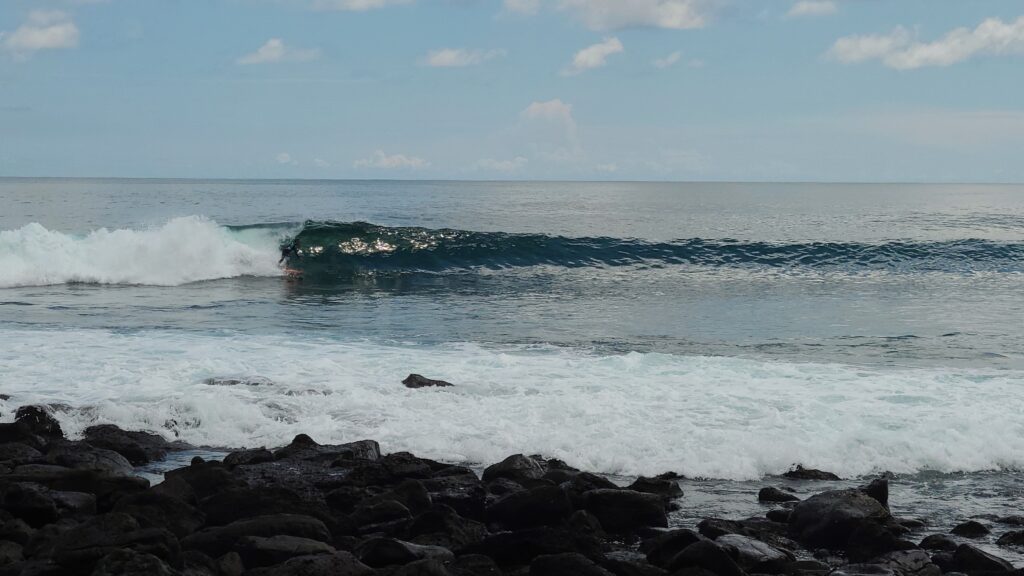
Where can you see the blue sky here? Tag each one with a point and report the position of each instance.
(766, 90)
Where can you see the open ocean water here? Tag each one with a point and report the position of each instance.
(722, 331)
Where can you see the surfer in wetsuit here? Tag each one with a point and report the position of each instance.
(290, 251)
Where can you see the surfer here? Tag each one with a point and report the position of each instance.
(290, 251)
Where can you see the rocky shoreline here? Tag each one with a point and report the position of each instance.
(77, 508)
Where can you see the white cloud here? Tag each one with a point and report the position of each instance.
(522, 6)
(321, 163)
(812, 8)
(44, 30)
(459, 57)
(668, 61)
(594, 56)
(511, 165)
(285, 158)
(275, 50)
(607, 168)
(396, 161)
(357, 5)
(899, 50)
(551, 111)
(614, 14)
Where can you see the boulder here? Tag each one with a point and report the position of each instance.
(517, 468)
(205, 478)
(938, 542)
(305, 448)
(662, 549)
(565, 564)
(780, 515)
(82, 546)
(82, 456)
(20, 433)
(16, 453)
(10, 553)
(1011, 538)
(521, 547)
(258, 551)
(221, 539)
(754, 556)
(801, 473)
(14, 529)
(239, 503)
(442, 526)
(707, 555)
(971, 560)
(625, 510)
(337, 564)
(128, 562)
(902, 563)
(39, 421)
(153, 509)
(417, 381)
(879, 490)
(970, 529)
(826, 520)
(374, 516)
(31, 503)
(773, 494)
(380, 552)
(869, 540)
(137, 447)
(458, 488)
(251, 456)
(544, 506)
(473, 565)
(420, 568)
(667, 489)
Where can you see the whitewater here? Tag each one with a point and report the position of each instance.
(717, 331)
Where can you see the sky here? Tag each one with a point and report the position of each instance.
(687, 90)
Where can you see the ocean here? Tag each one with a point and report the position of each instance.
(722, 331)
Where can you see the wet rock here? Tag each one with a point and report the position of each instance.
(938, 542)
(252, 381)
(14, 529)
(39, 422)
(827, 519)
(458, 488)
(779, 515)
(391, 469)
(869, 540)
(625, 510)
(20, 433)
(137, 447)
(233, 504)
(16, 453)
(755, 556)
(773, 494)
(337, 564)
(662, 549)
(585, 523)
(563, 564)
(417, 381)
(544, 506)
(621, 567)
(375, 516)
(474, 565)
(1013, 520)
(82, 456)
(801, 473)
(252, 456)
(970, 529)
(517, 468)
(10, 552)
(809, 568)
(379, 552)
(131, 563)
(156, 510)
(31, 503)
(761, 529)
(707, 555)
(305, 448)
(879, 490)
(206, 478)
(221, 539)
(971, 560)
(442, 526)
(667, 489)
(81, 547)
(904, 563)
(258, 551)
(521, 547)
(1012, 538)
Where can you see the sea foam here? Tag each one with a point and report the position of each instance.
(634, 413)
(183, 250)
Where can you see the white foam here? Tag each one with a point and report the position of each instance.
(631, 414)
(183, 250)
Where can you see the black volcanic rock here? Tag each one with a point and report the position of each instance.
(517, 468)
(564, 564)
(337, 564)
(625, 510)
(707, 555)
(773, 494)
(970, 529)
(971, 560)
(828, 519)
(667, 489)
(137, 447)
(801, 473)
(1012, 538)
(543, 506)
(39, 422)
(940, 542)
(221, 539)
(662, 549)
(417, 381)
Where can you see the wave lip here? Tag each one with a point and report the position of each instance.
(183, 250)
(339, 248)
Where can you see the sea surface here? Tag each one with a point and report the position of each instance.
(722, 331)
